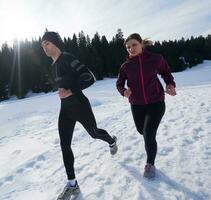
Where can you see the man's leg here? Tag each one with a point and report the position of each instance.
(66, 127)
(86, 117)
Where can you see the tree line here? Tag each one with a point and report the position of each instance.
(24, 67)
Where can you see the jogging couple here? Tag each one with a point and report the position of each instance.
(144, 92)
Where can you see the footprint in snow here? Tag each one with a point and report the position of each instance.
(166, 150)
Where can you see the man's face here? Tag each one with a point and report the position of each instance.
(49, 48)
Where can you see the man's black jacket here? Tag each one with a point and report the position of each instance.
(69, 73)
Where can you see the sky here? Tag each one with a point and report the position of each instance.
(156, 19)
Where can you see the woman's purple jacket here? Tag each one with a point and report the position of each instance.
(141, 72)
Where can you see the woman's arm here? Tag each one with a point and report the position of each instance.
(164, 71)
(120, 83)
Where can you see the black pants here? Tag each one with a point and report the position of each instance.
(147, 119)
(77, 109)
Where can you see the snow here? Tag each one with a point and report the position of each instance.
(31, 163)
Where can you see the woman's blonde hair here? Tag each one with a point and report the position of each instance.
(136, 36)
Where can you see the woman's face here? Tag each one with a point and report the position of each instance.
(134, 47)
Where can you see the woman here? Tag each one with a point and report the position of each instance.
(145, 92)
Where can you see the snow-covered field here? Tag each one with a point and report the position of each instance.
(31, 165)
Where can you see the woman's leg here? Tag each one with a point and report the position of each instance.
(139, 112)
(153, 117)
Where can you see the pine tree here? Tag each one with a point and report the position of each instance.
(25, 66)
(6, 55)
(118, 52)
(97, 63)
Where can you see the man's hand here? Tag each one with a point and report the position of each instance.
(63, 93)
(127, 92)
(170, 89)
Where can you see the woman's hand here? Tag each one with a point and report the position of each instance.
(63, 93)
(127, 92)
(170, 89)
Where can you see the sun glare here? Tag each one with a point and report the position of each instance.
(16, 23)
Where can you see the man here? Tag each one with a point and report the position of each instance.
(71, 77)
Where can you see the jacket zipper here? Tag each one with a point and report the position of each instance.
(142, 81)
(157, 87)
(57, 78)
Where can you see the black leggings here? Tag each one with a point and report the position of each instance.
(69, 114)
(147, 119)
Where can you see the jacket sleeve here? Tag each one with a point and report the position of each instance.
(83, 76)
(120, 83)
(164, 71)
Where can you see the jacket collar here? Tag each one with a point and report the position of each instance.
(57, 60)
(143, 55)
